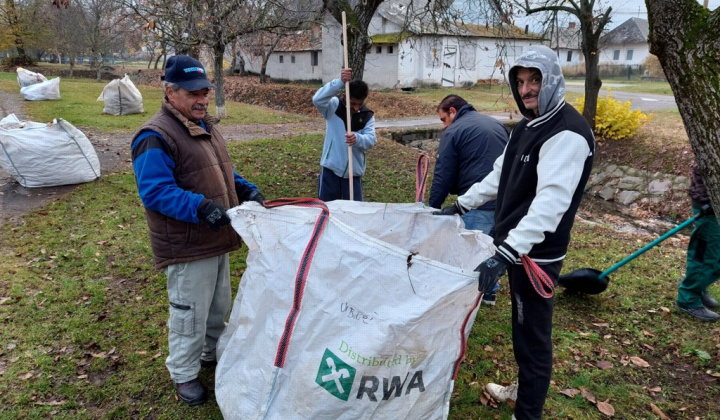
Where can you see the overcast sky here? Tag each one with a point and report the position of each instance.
(625, 9)
(622, 11)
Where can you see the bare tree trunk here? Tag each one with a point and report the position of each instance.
(592, 73)
(358, 21)
(15, 32)
(218, 51)
(683, 38)
(266, 58)
(233, 60)
(263, 69)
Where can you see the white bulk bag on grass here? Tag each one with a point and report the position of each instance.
(44, 155)
(121, 97)
(49, 90)
(366, 319)
(26, 77)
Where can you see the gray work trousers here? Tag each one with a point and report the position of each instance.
(199, 294)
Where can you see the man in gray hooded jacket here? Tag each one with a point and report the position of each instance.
(537, 184)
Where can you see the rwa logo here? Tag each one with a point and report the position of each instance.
(337, 377)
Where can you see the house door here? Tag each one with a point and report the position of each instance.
(448, 63)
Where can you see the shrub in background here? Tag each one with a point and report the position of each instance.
(652, 65)
(614, 120)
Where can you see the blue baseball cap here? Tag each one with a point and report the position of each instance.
(186, 72)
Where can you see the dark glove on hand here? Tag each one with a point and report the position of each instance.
(245, 193)
(490, 271)
(213, 214)
(257, 196)
(450, 210)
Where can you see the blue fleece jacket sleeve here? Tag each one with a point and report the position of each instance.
(243, 181)
(156, 184)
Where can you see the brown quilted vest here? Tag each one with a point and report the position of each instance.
(202, 165)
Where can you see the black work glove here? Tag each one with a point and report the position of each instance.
(257, 197)
(213, 214)
(451, 210)
(245, 193)
(490, 271)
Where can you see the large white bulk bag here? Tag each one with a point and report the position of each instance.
(44, 91)
(26, 77)
(351, 311)
(121, 97)
(44, 155)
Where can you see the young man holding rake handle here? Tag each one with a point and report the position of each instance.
(334, 179)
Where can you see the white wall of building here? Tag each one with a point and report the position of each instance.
(620, 54)
(381, 66)
(301, 69)
(333, 57)
(576, 57)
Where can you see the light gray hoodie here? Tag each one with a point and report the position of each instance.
(552, 90)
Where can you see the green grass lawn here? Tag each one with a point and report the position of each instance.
(79, 106)
(83, 312)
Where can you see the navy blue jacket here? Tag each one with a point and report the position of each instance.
(467, 151)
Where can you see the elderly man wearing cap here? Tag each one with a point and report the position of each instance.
(186, 182)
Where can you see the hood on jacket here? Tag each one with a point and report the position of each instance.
(552, 89)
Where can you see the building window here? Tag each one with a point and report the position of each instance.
(281, 58)
(378, 49)
(467, 54)
(512, 53)
(629, 55)
(569, 56)
(292, 59)
(314, 59)
(390, 49)
(616, 55)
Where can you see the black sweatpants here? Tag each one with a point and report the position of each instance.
(532, 340)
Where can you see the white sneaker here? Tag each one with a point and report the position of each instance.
(502, 393)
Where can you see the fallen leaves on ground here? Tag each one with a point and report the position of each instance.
(658, 412)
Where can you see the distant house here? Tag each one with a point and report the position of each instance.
(296, 56)
(567, 42)
(626, 45)
(409, 54)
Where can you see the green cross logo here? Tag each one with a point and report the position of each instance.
(335, 376)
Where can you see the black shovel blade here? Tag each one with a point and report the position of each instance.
(585, 280)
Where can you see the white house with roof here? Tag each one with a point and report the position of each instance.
(626, 45)
(409, 54)
(567, 42)
(296, 56)
(402, 55)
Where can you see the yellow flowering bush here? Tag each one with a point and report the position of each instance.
(614, 120)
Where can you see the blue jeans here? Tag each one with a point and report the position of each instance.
(483, 220)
